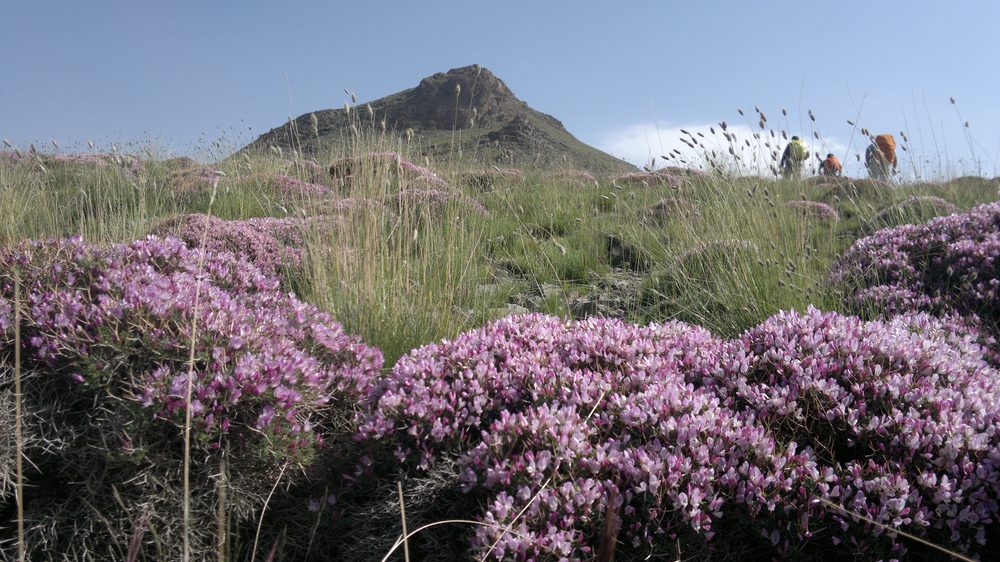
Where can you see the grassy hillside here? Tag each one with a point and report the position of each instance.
(405, 259)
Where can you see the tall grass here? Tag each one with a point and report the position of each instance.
(738, 255)
(724, 252)
(396, 273)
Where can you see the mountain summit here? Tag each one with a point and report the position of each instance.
(466, 109)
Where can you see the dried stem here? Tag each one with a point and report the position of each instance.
(18, 430)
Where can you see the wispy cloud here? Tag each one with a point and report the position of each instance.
(752, 152)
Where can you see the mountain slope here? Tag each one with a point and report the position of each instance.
(466, 111)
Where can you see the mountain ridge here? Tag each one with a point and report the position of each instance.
(468, 110)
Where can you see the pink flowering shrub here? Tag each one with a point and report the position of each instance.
(813, 210)
(125, 162)
(313, 170)
(264, 360)
(355, 206)
(14, 156)
(569, 411)
(106, 335)
(190, 181)
(271, 244)
(99, 159)
(426, 182)
(716, 443)
(900, 415)
(949, 264)
(290, 186)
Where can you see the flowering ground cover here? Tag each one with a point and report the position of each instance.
(765, 438)
(814, 209)
(291, 186)
(114, 338)
(946, 265)
(895, 421)
(271, 244)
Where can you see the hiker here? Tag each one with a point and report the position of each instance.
(791, 160)
(831, 166)
(880, 157)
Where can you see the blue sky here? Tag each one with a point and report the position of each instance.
(623, 76)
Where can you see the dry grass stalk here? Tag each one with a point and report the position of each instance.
(260, 521)
(609, 532)
(888, 529)
(221, 528)
(18, 429)
(422, 528)
(190, 388)
(402, 516)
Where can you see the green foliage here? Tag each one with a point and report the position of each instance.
(720, 252)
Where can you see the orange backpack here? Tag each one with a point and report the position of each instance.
(832, 164)
(887, 146)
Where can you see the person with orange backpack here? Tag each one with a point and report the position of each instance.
(880, 157)
(791, 160)
(831, 166)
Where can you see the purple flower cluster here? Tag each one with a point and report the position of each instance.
(100, 160)
(814, 209)
(312, 167)
(121, 319)
(14, 155)
(271, 244)
(426, 182)
(569, 411)
(950, 264)
(94, 159)
(896, 421)
(290, 186)
(899, 416)
(347, 206)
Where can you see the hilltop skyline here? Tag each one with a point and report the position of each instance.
(624, 79)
